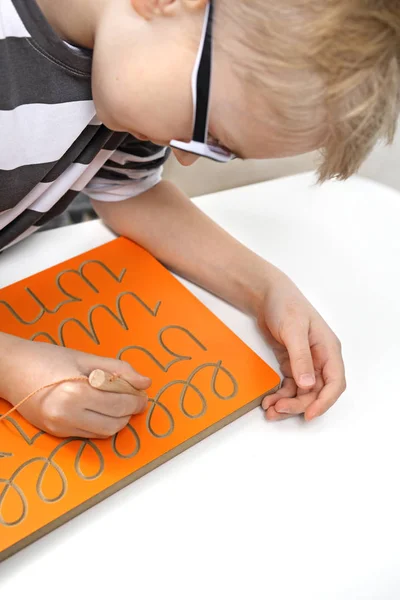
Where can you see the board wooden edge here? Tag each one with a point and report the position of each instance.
(119, 485)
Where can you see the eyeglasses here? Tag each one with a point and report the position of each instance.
(202, 143)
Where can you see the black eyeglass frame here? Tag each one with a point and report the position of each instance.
(201, 85)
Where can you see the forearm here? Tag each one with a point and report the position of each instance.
(9, 350)
(166, 223)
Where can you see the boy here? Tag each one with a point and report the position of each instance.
(87, 83)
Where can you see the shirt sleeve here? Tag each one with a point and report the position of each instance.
(134, 168)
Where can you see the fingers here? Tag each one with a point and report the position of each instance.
(102, 414)
(115, 405)
(288, 390)
(124, 370)
(80, 433)
(295, 337)
(82, 423)
(300, 401)
(94, 413)
(295, 406)
(120, 368)
(272, 415)
(335, 385)
(289, 401)
(93, 426)
(100, 425)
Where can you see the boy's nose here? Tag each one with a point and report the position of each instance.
(185, 158)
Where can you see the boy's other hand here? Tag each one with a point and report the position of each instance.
(308, 351)
(68, 409)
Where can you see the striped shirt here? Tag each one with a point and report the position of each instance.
(52, 145)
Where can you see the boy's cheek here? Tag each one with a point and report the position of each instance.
(110, 95)
(108, 109)
(100, 99)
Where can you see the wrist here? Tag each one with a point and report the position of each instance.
(258, 277)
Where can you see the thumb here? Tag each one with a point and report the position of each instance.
(301, 361)
(125, 371)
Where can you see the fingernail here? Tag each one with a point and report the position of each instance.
(307, 380)
(312, 417)
(265, 403)
(284, 411)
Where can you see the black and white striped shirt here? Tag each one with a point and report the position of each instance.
(51, 144)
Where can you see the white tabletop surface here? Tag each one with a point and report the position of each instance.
(283, 511)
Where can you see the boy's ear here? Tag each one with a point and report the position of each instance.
(151, 8)
(169, 7)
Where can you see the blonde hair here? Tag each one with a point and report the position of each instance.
(335, 62)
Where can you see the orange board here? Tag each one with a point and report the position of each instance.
(118, 301)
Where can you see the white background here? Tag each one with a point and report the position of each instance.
(284, 511)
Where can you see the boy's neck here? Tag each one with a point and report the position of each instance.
(73, 20)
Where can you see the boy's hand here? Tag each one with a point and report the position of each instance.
(69, 409)
(308, 351)
(216, 261)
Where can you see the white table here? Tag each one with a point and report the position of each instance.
(282, 511)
